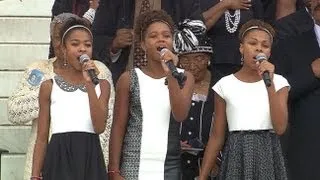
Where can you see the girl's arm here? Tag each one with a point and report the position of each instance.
(43, 128)
(180, 99)
(278, 108)
(216, 140)
(99, 106)
(119, 126)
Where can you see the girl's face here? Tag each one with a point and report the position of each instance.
(195, 63)
(158, 35)
(78, 42)
(256, 41)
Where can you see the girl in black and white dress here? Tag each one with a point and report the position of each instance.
(75, 109)
(144, 142)
(254, 111)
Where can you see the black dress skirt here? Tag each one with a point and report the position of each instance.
(253, 155)
(74, 156)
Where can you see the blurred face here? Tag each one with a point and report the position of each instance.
(157, 35)
(195, 63)
(78, 42)
(255, 42)
(315, 10)
(56, 40)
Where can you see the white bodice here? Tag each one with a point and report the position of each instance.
(70, 110)
(247, 104)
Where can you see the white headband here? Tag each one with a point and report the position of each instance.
(73, 27)
(257, 27)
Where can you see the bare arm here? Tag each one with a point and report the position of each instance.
(285, 7)
(120, 121)
(279, 108)
(43, 128)
(180, 99)
(99, 106)
(216, 139)
(212, 15)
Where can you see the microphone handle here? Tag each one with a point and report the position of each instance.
(172, 68)
(266, 78)
(181, 78)
(93, 76)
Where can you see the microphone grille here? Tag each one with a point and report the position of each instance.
(84, 58)
(162, 51)
(261, 57)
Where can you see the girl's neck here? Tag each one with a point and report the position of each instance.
(69, 74)
(248, 75)
(154, 69)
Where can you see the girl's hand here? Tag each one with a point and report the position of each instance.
(265, 66)
(87, 66)
(167, 55)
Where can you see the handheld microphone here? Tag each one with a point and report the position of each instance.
(180, 76)
(85, 58)
(265, 75)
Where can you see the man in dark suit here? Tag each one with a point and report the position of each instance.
(296, 56)
(113, 28)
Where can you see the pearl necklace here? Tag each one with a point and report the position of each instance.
(228, 19)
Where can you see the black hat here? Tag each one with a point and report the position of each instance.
(191, 38)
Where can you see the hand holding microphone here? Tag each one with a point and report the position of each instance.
(266, 69)
(89, 68)
(168, 59)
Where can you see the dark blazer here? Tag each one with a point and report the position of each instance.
(293, 24)
(114, 15)
(292, 57)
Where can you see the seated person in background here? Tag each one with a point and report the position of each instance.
(23, 106)
(194, 50)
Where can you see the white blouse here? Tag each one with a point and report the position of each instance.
(247, 104)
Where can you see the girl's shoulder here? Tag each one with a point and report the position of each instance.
(227, 79)
(280, 82)
(46, 88)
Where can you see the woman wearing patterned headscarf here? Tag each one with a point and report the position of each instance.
(194, 51)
